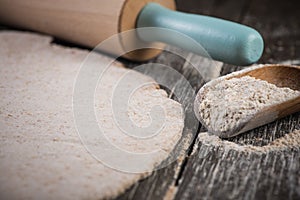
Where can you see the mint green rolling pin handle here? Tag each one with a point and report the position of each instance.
(222, 40)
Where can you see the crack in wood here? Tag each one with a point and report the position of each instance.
(185, 161)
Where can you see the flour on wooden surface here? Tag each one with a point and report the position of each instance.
(287, 142)
(230, 103)
(41, 154)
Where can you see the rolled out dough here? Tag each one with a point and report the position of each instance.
(41, 154)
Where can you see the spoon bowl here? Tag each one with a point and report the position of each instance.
(279, 75)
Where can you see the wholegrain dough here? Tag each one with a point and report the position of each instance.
(41, 154)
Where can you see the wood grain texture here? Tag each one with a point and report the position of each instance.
(158, 184)
(85, 23)
(211, 173)
(207, 172)
(73, 20)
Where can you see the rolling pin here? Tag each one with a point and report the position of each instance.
(90, 22)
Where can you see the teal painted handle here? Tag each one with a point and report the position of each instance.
(223, 40)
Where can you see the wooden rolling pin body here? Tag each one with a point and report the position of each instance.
(87, 22)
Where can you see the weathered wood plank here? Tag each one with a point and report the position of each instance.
(162, 181)
(276, 27)
(214, 173)
(278, 22)
(157, 185)
(210, 172)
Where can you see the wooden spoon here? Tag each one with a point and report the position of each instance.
(279, 75)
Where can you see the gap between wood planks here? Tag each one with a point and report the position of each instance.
(191, 59)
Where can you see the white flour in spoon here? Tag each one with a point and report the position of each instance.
(229, 103)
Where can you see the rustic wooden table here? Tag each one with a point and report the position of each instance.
(233, 174)
(205, 172)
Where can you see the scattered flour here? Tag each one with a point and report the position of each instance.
(287, 142)
(226, 105)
